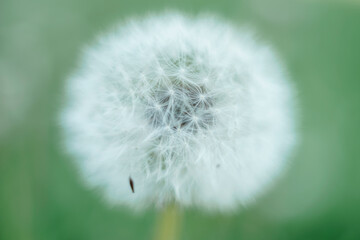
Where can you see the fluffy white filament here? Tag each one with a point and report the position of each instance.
(191, 110)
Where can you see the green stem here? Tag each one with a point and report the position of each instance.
(168, 224)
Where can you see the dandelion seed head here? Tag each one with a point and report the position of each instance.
(193, 109)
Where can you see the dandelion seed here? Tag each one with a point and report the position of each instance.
(131, 182)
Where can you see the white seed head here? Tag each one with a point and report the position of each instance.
(192, 110)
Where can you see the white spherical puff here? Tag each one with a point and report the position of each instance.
(192, 110)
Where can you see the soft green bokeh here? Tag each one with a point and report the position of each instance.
(42, 196)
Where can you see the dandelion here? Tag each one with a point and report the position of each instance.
(176, 109)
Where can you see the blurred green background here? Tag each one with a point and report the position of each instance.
(42, 196)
